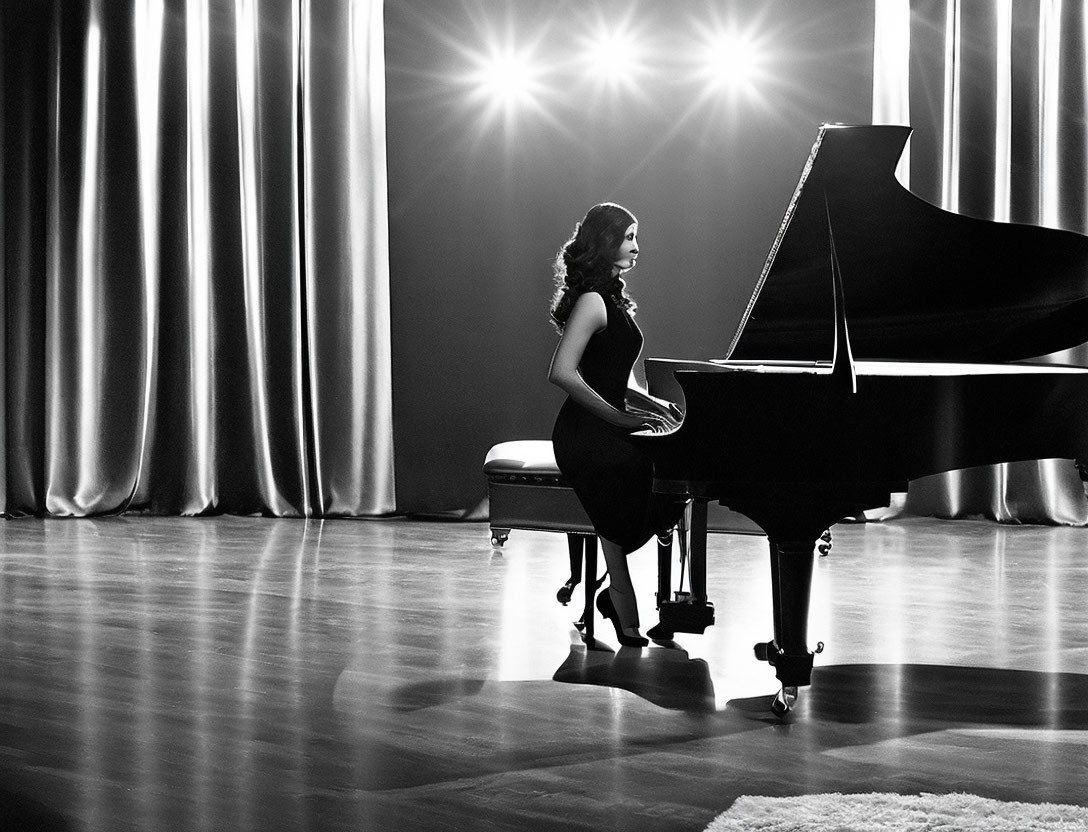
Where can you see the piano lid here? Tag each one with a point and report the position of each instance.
(919, 283)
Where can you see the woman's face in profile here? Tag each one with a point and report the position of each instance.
(627, 253)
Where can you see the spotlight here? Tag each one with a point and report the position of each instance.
(731, 62)
(612, 57)
(506, 78)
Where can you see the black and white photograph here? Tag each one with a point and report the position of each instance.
(544, 416)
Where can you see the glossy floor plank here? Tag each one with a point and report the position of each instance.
(256, 674)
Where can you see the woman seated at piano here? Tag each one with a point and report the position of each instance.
(598, 346)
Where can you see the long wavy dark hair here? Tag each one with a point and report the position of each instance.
(584, 263)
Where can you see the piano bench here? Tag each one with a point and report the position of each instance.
(526, 491)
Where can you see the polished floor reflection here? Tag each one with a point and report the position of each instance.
(255, 674)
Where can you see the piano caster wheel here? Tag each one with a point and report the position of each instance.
(565, 592)
(784, 700)
(824, 546)
(499, 538)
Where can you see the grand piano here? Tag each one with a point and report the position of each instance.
(885, 340)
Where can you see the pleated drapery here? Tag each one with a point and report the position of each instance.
(196, 283)
(995, 91)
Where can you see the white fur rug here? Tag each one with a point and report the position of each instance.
(900, 812)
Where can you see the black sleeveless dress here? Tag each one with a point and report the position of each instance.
(611, 475)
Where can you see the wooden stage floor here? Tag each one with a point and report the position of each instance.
(253, 674)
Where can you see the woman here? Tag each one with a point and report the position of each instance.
(598, 346)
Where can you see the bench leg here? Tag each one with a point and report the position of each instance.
(591, 584)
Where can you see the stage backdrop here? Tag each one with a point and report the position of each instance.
(196, 270)
(199, 277)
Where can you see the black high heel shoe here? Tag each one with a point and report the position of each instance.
(608, 610)
(659, 632)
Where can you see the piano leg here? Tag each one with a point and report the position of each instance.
(791, 585)
(792, 526)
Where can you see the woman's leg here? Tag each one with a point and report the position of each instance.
(620, 587)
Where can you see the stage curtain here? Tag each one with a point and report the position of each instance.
(996, 97)
(196, 287)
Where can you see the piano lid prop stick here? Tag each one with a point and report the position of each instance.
(842, 362)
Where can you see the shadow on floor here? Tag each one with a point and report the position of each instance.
(21, 814)
(944, 694)
(667, 677)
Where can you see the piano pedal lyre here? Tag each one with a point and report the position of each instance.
(686, 614)
(685, 611)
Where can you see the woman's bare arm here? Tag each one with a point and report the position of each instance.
(587, 318)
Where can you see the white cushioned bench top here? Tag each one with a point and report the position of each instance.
(524, 456)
